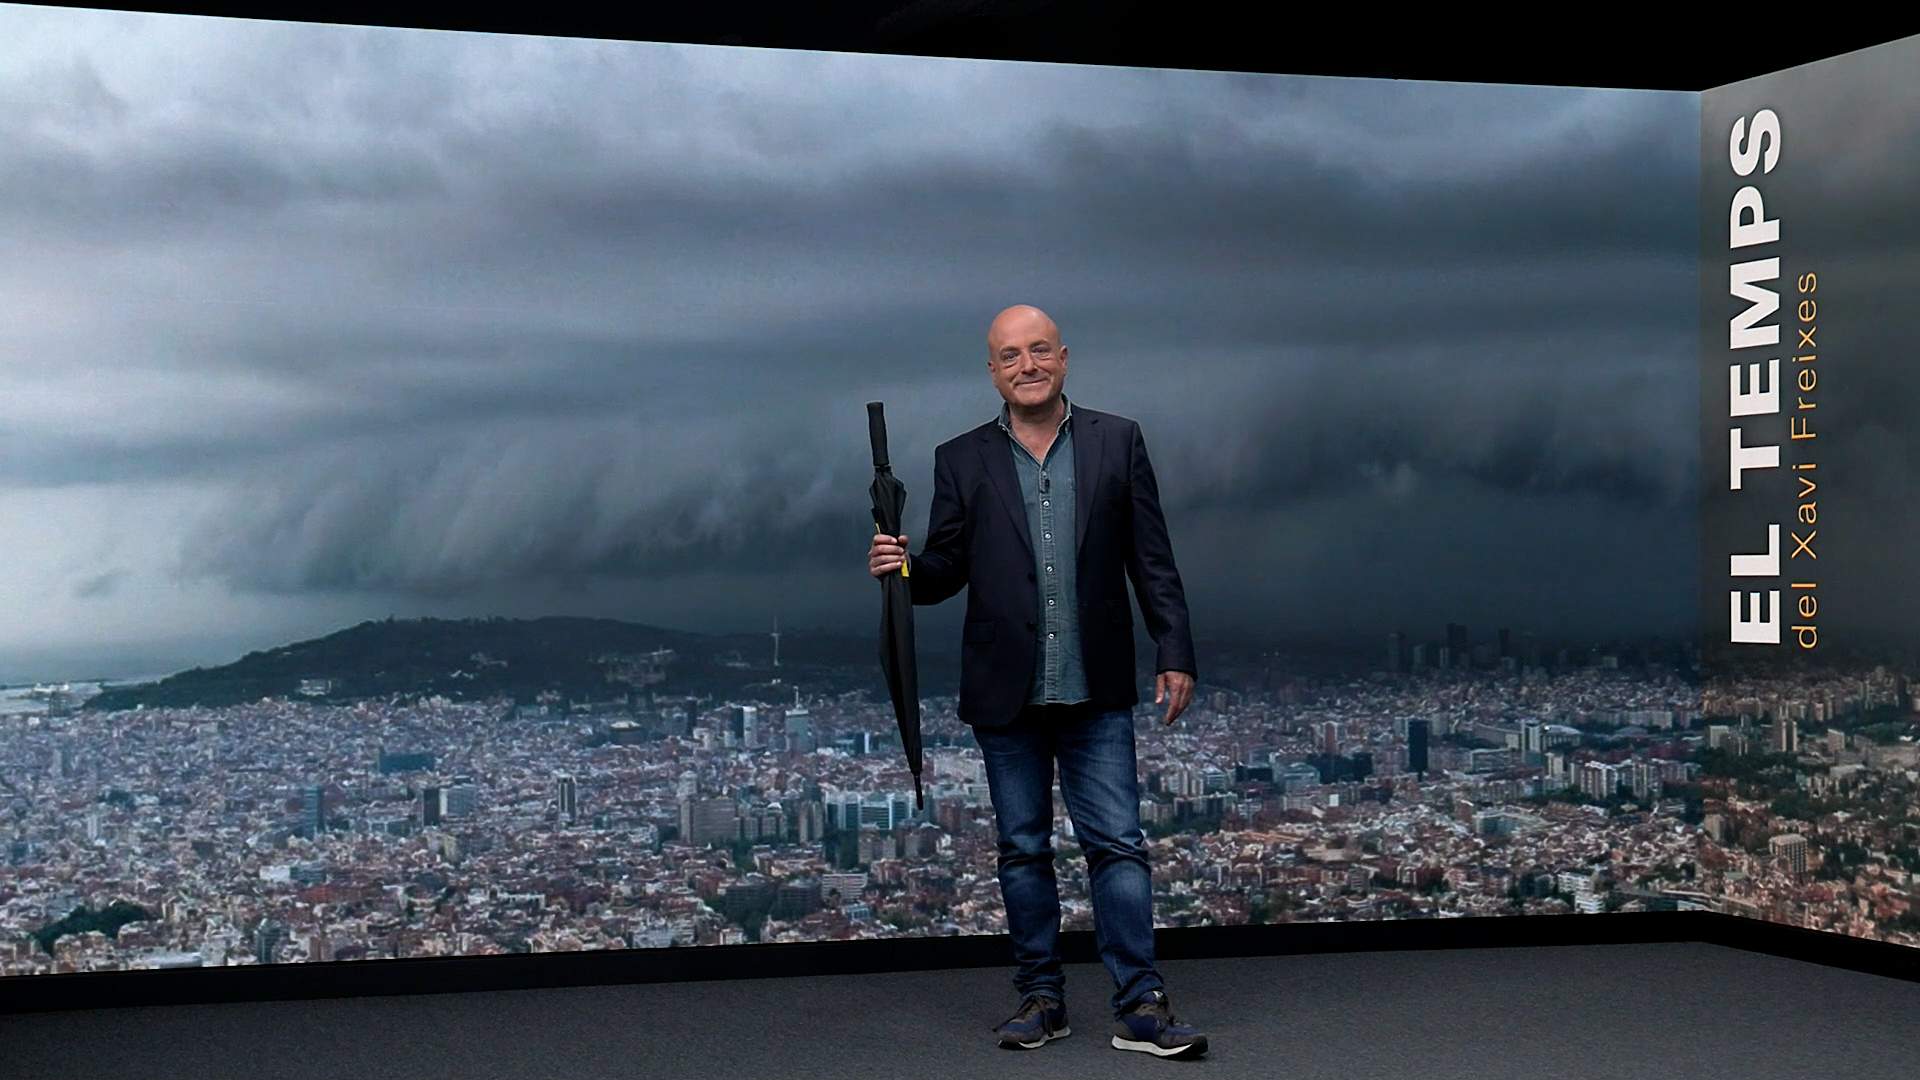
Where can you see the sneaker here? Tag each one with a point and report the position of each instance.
(1150, 1026)
(1040, 1018)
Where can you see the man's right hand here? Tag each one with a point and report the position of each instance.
(887, 554)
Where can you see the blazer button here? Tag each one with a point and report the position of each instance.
(1030, 624)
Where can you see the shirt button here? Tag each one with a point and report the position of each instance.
(1049, 601)
(1046, 536)
(1049, 633)
(1046, 502)
(1049, 569)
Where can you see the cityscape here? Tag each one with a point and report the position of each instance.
(578, 350)
(1438, 778)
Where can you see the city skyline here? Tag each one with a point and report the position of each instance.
(1498, 641)
(432, 827)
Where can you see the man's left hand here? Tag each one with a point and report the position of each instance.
(1176, 689)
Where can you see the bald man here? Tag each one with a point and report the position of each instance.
(1041, 514)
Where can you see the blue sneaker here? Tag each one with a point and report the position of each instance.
(1150, 1026)
(1041, 1018)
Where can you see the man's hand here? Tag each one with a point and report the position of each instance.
(1176, 689)
(888, 554)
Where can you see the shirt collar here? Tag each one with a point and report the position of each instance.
(1006, 414)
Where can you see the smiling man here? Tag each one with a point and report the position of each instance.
(1042, 514)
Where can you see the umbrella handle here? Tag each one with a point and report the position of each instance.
(877, 433)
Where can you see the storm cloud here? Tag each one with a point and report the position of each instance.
(454, 321)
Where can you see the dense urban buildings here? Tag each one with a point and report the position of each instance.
(1455, 779)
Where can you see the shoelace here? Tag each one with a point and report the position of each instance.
(1161, 1005)
(1030, 1007)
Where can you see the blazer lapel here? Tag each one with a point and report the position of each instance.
(1086, 475)
(997, 456)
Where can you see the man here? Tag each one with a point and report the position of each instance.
(1041, 514)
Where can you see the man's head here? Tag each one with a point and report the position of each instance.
(1025, 358)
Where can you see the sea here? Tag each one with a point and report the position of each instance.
(35, 698)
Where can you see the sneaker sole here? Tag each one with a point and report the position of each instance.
(1015, 1044)
(1195, 1048)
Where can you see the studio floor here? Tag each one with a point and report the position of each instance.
(1690, 1010)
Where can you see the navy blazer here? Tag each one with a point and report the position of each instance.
(977, 539)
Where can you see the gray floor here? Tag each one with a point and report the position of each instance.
(1681, 1010)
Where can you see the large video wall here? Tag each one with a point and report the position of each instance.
(434, 482)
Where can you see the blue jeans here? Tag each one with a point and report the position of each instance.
(1098, 780)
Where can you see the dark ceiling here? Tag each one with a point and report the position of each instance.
(1617, 47)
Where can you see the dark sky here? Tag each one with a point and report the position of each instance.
(311, 324)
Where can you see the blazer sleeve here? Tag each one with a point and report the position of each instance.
(1156, 583)
(940, 569)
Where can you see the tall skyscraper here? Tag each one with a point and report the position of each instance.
(706, 821)
(1791, 850)
(1417, 746)
(566, 797)
(799, 724)
(1396, 651)
(1532, 739)
(1783, 736)
(314, 810)
(430, 804)
(743, 722)
(845, 810)
(1330, 733)
(460, 798)
(877, 810)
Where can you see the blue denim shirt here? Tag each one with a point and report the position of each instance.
(1047, 488)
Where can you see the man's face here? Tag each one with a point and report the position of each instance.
(1029, 365)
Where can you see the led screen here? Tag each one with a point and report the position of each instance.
(434, 480)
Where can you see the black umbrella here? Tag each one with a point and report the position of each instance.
(896, 609)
